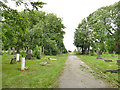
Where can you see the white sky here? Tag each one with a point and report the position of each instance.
(72, 12)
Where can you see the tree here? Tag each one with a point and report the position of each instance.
(15, 25)
(102, 27)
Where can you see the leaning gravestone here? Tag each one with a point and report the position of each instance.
(9, 51)
(29, 54)
(13, 51)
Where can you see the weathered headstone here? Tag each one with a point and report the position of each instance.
(118, 62)
(22, 64)
(98, 53)
(113, 52)
(9, 51)
(13, 51)
(13, 60)
(113, 70)
(29, 54)
(108, 60)
(17, 57)
(113, 56)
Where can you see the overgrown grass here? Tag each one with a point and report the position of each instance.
(100, 67)
(36, 77)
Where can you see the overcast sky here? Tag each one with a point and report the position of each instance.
(72, 12)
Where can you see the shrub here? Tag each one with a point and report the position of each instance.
(37, 52)
(77, 52)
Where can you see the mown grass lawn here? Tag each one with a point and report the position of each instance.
(36, 77)
(100, 67)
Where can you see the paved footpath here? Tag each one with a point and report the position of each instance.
(77, 74)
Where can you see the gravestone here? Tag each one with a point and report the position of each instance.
(113, 52)
(22, 64)
(29, 54)
(113, 70)
(118, 62)
(108, 60)
(17, 59)
(9, 51)
(98, 54)
(113, 56)
(13, 60)
(13, 51)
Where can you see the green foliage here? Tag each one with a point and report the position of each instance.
(99, 30)
(29, 28)
(23, 53)
(77, 52)
(37, 52)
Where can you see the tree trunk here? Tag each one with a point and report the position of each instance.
(0, 51)
(86, 51)
(82, 50)
(101, 52)
(43, 51)
(18, 50)
(26, 50)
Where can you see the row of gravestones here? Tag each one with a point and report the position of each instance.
(29, 53)
(9, 51)
(114, 70)
(17, 59)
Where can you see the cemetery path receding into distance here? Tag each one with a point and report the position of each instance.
(77, 74)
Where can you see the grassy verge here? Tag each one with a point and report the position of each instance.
(100, 67)
(36, 77)
(0, 71)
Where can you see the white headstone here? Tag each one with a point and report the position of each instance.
(22, 64)
(17, 57)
